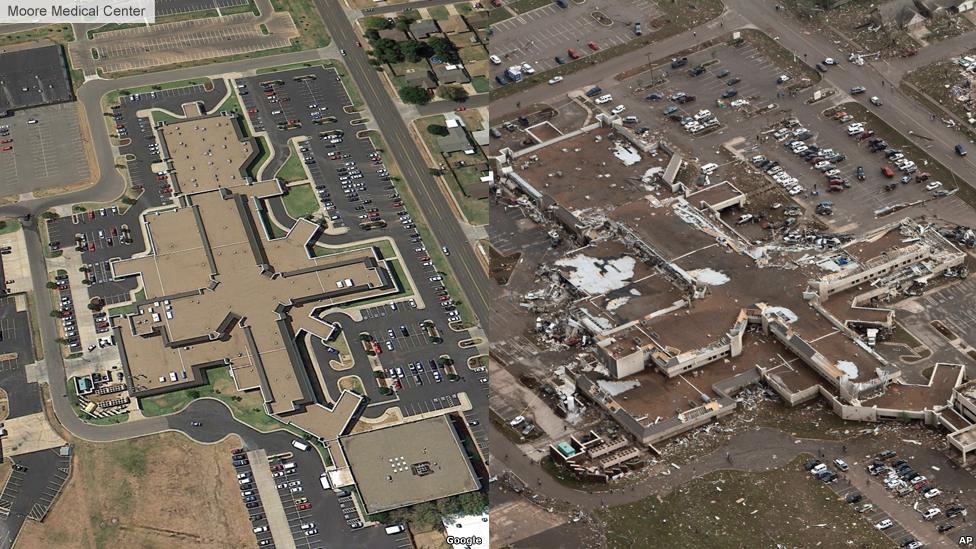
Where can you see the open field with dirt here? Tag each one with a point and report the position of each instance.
(157, 491)
(733, 509)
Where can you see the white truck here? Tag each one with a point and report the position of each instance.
(300, 445)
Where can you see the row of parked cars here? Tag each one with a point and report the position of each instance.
(894, 156)
(899, 477)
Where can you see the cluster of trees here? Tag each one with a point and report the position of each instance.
(429, 514)
(390, 51)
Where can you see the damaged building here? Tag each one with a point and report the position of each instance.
(682, 312)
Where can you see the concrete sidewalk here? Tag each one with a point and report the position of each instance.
(274, 511)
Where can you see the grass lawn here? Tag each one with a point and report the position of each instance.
(9, 226)
(472, 53)
(300, 201)
(160, 116)
(522, 6)
(732, 509)
(384, 246)
(292, 169)
(463, 8)
(438, 13)
(310, 26)
(232, 104)
(481, 84)
(498, 15)
(247, 407)
(353, 384)
(55, 33)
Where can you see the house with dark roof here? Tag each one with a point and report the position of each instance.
(451, 74)
(424, 28)
(455, 140)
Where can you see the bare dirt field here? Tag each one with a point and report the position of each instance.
(122, 495)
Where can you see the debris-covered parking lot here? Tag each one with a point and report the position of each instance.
(540, 36)
(767, 117)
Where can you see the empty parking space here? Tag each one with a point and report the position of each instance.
(42, 148)
(173, 7)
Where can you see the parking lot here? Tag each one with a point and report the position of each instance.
(755, 128)
(184, 41)
(47, 153)
(540, 36)
(34, 483)
(172, 7)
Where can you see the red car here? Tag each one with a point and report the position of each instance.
(593, 46)
(444, 297)
(252, 110)
(459, 109)
(7, 148)
(888, 172)
(7, 141)
(304, 506)
(91, 246)
(277, 467)
(572, 53)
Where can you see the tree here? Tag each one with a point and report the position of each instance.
(414, 50)
(414, 95)
(404, 20)
(371, 34)
(436, 172)
(386, 50)
(452, 93)
(373, 22)
(193, 394)
(56, 313)
(49, 215)
(437, 129)
(444, 48)
(51, 285)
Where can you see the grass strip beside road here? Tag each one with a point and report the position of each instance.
(292, 169)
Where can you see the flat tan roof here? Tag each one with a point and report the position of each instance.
(219, 292)
(207, 153)
(408, 464)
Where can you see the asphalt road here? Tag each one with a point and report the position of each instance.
(416, 172)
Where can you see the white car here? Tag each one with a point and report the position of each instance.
(933, 493)
(933, 185)
(884, 524)
(618, 109)
(517, 421)
(529, 69)
(555, 80)
(603, 99)
(495, 60)
(709, 169)
(931, 513)
(830, 61)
